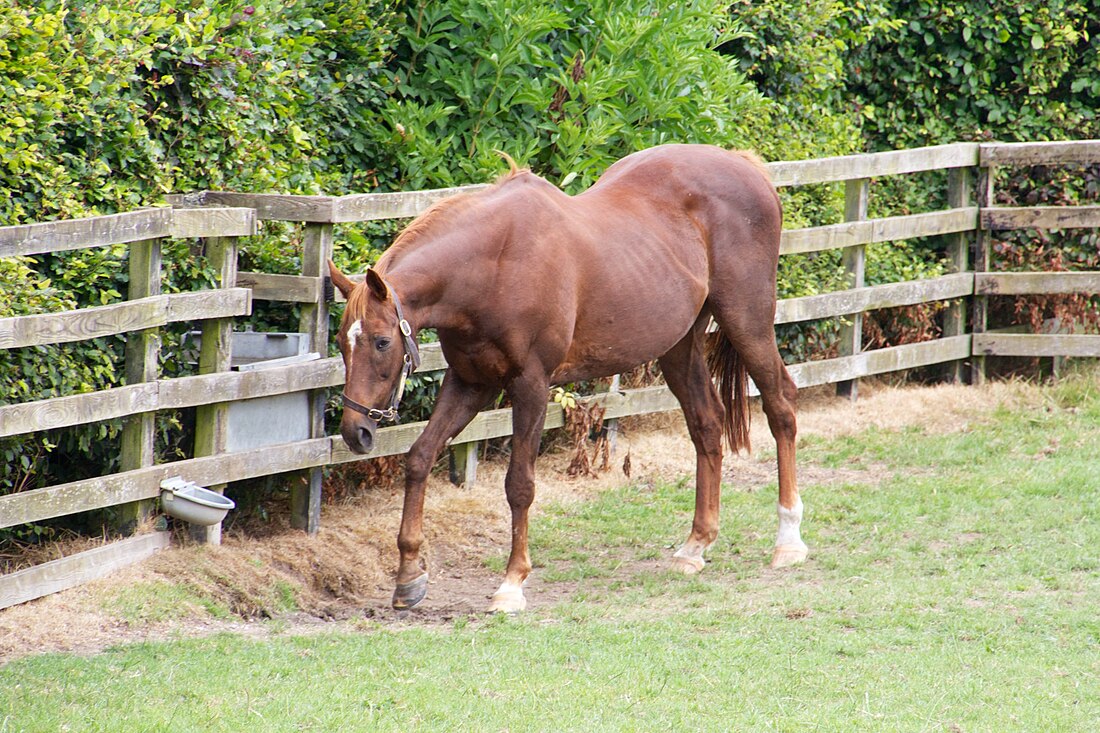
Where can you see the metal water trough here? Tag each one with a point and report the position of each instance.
(192, 503)
(264, 421)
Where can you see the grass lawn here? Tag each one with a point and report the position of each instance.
(957, 588)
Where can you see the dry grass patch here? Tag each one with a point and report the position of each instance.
(347, 569)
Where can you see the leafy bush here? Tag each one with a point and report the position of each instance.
(110, 105)
(976, 70)
(564, 87)
(990, 71)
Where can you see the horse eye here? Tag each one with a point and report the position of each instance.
(382, 344)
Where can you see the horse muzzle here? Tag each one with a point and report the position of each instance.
(359, 434)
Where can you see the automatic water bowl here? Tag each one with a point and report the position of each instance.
(192, 503)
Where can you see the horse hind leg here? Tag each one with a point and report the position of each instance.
(685, 372)
(755, 346)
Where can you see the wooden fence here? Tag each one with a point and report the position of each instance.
(222, 218)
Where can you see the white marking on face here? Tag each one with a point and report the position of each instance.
(355, 330)
(789, 523)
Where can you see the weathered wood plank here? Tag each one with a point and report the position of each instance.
(305, 497)
(167, 394)
(858, 300)
(983, 247)
(1026, 283)
(398, 439)
(120, 488)
(133, 315)
(462, 468)
(282, 288)
(1041, 153)
(138, 440)
(853, 262)
(212, 420)
(959, 186)
(1028, 344)
(871, 165)
(431, 358)
(640, 401)
(182, 392)
(233, 386)
(94, 231)
(59, 412)
(202, 304)
(214, 221)
(398, 205)
(68, 572)
(932, 224)
(831, 236)
(880, 361)
(106, 491)
(230, 386)
(390, 441)
(853, 233)
(1041, 217)
(86, 323)
(278, 207)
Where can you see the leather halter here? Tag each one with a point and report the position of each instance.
(411, 362)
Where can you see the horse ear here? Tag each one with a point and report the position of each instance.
(340, 280)
(377, 285)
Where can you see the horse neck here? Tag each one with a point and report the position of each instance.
(426, 293)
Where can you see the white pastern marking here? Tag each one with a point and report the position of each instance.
(508, 598)
(789, 522)
(509, 589)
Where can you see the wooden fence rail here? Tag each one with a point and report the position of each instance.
(222, 217)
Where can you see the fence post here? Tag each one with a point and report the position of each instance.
(142, 353)
(463, 463)
(305, 495)
(856, 192)
(611, 426)
(982, 246)
(211, 421)
(958, 257)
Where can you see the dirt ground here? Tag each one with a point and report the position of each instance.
(342, 577)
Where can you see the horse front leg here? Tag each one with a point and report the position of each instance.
(456, 405)
(529, 399)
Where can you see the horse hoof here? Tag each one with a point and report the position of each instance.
(509, 599)
(407, 595)
(787, 555)
(687, 564)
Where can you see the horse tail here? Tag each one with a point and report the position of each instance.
(728, 370)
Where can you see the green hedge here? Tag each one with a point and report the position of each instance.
(109, 105)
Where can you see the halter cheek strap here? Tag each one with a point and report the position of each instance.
(410, 363)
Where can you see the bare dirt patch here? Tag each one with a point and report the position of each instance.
(344, 574)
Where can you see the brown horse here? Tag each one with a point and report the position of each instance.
(527, 286)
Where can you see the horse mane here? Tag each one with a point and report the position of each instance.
(434, 212)
(755, 161)
(357, 303)
(421, 223)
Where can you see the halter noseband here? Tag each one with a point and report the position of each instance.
(411, 362)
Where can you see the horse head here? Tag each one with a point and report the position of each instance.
(379, 354)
